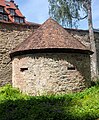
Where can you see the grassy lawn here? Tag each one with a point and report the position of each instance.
(80, 106)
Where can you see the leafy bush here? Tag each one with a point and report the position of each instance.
(79, 106)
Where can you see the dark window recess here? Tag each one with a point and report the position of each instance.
(23, 69)
(17, 20)
(1, 9)
(5, 17)
(71, 68)
(21, 20)
(12, 12)
(1, 17)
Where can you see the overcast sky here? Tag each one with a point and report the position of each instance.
(37, 11)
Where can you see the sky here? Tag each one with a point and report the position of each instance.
(37, 11)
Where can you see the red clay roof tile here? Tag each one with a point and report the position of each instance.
(7, 4)
(18, 12)
(11, 5)
(2, 3)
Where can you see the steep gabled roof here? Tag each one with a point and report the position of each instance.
(50, 35)
(10, 5)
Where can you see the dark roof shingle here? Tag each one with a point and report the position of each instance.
(50, 35)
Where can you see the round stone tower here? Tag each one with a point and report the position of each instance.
(50, 61)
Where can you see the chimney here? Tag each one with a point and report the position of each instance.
(12, 1)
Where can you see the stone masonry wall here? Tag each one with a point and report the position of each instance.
(51, 73)
(83, 36)
(10, 36)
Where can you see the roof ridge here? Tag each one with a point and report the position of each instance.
(50, 35)
(67, 31)
(61, 27)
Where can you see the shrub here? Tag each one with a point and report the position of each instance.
(79, 106)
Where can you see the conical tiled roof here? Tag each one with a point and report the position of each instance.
(48, 36)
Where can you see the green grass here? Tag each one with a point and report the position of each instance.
(80, 106)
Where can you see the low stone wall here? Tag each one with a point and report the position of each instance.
(10, 36)
(51, 73)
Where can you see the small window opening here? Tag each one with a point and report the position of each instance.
(71, 67)
(5, 17)
(1, 9)
(21, 20)
(12, 12)
(1, 17)
(23, 69)
(17, 20)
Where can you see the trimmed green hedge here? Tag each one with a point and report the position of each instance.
(80, 106)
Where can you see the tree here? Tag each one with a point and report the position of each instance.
(94, 71)
(69, 12)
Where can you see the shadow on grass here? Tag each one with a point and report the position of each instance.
(39, 108)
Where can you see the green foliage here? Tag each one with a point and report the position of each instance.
(68, 12)
(79, 106)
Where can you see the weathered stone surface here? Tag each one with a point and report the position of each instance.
(10, 36)
(49, 73)
(83, 36)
